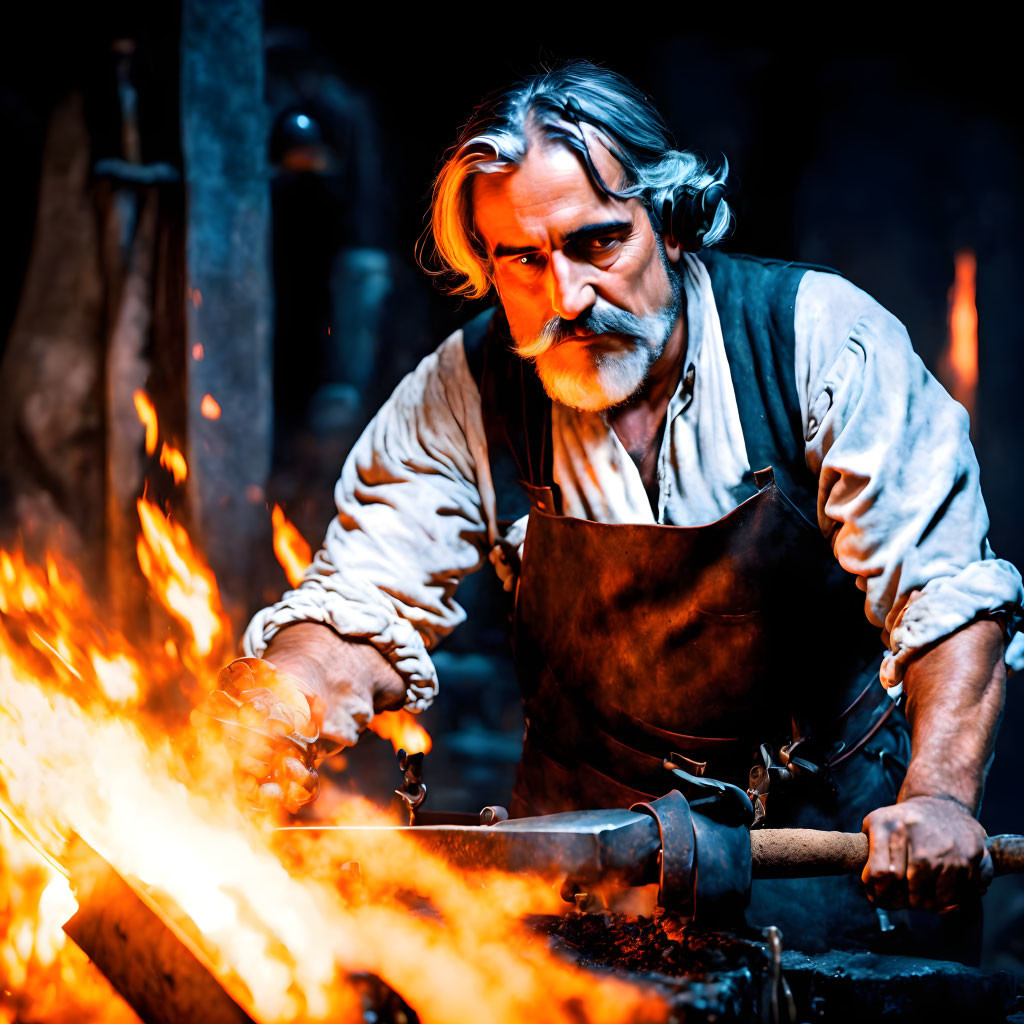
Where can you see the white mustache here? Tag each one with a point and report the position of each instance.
(602, 318)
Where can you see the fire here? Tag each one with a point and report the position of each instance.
(96, 742)
(147, 414)
(962, 353)
(180, 580)
(174, 462)
(45, 977)
(210, 407)
(290, 547)
(403, 730)
(294, 554)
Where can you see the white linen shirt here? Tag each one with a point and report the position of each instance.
(898, 490)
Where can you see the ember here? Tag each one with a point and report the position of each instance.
(660, 943)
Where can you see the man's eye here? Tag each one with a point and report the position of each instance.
(603, 244)
(529, 260)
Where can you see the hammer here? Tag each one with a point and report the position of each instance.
(703, 867)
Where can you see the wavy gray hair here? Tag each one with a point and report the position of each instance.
(556, 104)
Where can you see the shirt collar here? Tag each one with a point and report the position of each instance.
(695, 279)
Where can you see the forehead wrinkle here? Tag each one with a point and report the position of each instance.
(564, 179)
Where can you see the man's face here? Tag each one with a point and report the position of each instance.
(582, 278)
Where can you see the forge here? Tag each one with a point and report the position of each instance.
(154, 955)
(695, 975)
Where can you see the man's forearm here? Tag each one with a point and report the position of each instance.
(955, 694)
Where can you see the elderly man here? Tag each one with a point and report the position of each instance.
(685, 464)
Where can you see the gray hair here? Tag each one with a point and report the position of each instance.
(556, 105)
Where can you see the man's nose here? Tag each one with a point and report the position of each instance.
(572, 293)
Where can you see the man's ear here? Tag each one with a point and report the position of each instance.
(672, 249)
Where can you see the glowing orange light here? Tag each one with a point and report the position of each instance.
(210, 407)
(147, 415)
(962, 353)
(174, 462)
(403, 730)
(90, 746)
(179, 579)
(197, 298)
(290, 547)
(197, 351)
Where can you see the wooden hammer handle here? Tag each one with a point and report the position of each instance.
(805, 852)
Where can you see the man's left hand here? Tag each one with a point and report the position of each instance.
(926, 853)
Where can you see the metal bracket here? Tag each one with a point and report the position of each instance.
(676, 875)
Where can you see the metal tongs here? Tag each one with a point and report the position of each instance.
(268, 714)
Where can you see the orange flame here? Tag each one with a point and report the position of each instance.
(86, 749)
(174, 462)
(403, 730)
(294, 554)
(147, 414)
(962, 353)
(210, 407)
(290, 547)
(179, 579)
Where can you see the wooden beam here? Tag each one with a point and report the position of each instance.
(229, 289)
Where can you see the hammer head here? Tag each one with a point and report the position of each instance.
(703, 868)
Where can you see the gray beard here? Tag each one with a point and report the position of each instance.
(611, 379)
(612, 376)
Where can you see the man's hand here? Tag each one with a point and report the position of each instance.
(926, 853)
(311, 694)
(271, 725)
(928, 850)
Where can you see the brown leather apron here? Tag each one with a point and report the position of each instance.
(638, 642)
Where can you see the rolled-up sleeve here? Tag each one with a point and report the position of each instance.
(411, 523)
(899, 495)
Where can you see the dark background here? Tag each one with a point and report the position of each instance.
(876, 152)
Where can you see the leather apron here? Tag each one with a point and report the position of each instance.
(635, 643)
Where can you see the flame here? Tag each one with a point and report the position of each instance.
(173, 461)
(294, 554)
(147, 415)
(45, 976)
(291, 548)
(961, 359)
(210, 407)
(96, 741)
(403, 730)
(179, 579)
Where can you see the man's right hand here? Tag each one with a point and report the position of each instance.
(271, 724)
(306, 667)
